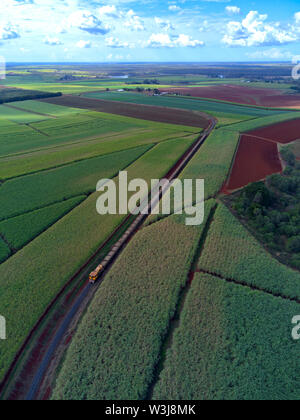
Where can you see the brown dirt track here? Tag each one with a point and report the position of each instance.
(255, 160)
(242, 95)
(144, 112)
(285, 132)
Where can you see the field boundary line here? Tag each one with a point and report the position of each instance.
(88, 193)
(249, 286)
(36, 129)
(77, 161)
(14, 250)
(11, 248)
(229, 173)
(30, 112)
(83, 141)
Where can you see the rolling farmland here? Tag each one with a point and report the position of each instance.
(39, 276)
(211, 107)
(180, 312)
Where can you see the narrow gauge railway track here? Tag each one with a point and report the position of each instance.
(87, 291)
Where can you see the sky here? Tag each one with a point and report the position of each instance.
(149, 30)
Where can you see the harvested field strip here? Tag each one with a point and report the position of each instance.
(31, 278)
(183, 102)
(254, 161)
(151, 113)
(221, 326)
(284, 132)
(32, 192)
(134, 313)
(233, 253)
(20, 230)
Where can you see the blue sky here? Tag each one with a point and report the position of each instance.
(149, 30)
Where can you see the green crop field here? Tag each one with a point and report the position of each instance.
(32, 192)
(243, 127)
(134, 313)
(18, 116)
(232, 343)
(5, 251)
(69, 243)
(45, 108)
(233, 253)
(81, 127)
(20, 230)
(211, 163)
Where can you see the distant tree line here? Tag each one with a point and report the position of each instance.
(15, 95)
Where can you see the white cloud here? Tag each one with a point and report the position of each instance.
(52, 41)
(133, 22)
(233, 10)
(83, 44)
(116, 43)
(86, 21)
(297, 17)
(164, 40)
(8, 31)
(174, 8)
(254, 31)
(108, 11)
(164, 24)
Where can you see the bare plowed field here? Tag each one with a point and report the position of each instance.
(285, 132)
(144, 112)
(255, 160)
(242, 95)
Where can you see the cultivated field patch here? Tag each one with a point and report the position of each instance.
(254, 161)
(226, 347)
(150, 113)
(32, 192)
(18, 116)
(20, 230)
(242, 95)
(284, 132)
(183, 103)
(132, 313)
(232, 252)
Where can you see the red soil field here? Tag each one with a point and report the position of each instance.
(242, 95)
(255, 160)
(144, 112)
(285, 132)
